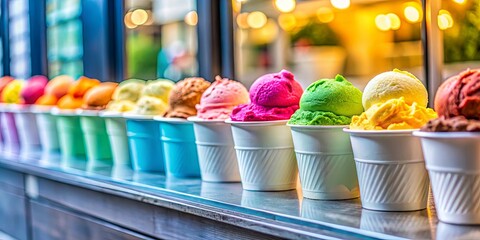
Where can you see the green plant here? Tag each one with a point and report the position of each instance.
(315, 34)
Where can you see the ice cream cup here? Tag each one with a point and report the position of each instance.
(27, 128)
(72, 143)
(97, 143)
(117, 133)
(145, 143)
(325, 162)
(265, 154)
(180, 151)
(47, 128)
(391, 170)
(216, 152)
(11, 140)
(452, 161)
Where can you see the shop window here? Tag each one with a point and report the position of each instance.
(319, 39)
(64, 37)
(161, 39)
(19, 38)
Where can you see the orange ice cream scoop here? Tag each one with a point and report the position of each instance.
(99, 96)
(47, 100)
(69, 102)
(81, 86)
(59, 86)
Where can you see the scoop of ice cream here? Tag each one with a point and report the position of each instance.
(273, 96)
(393, 114)
(454, 124)
(59, 86)
(394, 84)
(47, 100)
(220, 98)
(129, 90)
(33, 89)
(121, 106)
(185, 96)
(460, 96)
(3, 82)
(69, 102)
(99, 96)
(148, 105)
(11, 92)
(328, 102)
(159, 88)
(81, 86)
(74, 97)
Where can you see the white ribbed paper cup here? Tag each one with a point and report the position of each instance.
(47, 128)
(453, 163)
(325, 162)
(391, 170)
(27, 128)
(216, 152)
(265, 154)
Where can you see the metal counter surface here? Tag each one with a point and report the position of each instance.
(345, 217)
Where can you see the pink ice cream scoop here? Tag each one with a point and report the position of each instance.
(34, 89)
(274, 96)
(220, 98)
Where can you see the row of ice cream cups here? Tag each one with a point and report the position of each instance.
(258, 145)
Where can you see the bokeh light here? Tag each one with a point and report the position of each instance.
(383, 22)
(340, 4)
(242, 20)
(287, 21)
(191, 18)
(394, 21)
(325, 14)
(256, 19)
(445, 20)
(412, 14)
(139, 16)
(285, 5)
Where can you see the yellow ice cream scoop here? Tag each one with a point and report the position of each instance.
(129, 90)
(394, 84)
(11, 92)
(148, 105)
(393, 114)
(159, 88)
(121, 106)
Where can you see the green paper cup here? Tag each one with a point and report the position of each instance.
(117, 133)
(97, 143)
(72, 143)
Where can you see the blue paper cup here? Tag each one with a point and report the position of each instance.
(180, 150)
(145, 144)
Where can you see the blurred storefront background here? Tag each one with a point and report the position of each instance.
(149, 39)
(358, 39)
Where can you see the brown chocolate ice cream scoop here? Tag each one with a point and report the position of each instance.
(184, 96)
(454, 124)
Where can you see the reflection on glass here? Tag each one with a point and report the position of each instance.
(318, 39)
(460, 22)
(64, 38)
(161, 39)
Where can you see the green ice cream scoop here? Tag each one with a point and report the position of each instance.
(328, 102)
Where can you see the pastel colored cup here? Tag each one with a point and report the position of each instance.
(117, 134)
(97, 143)
(47, 129)
(266, 156)
(216, 152)
(26, 122)
(145, 144)
(391, 170)
(325, 162)
(72, 142)
(180, 151)
(9, 130)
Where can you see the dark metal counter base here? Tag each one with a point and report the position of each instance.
(101, 202)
